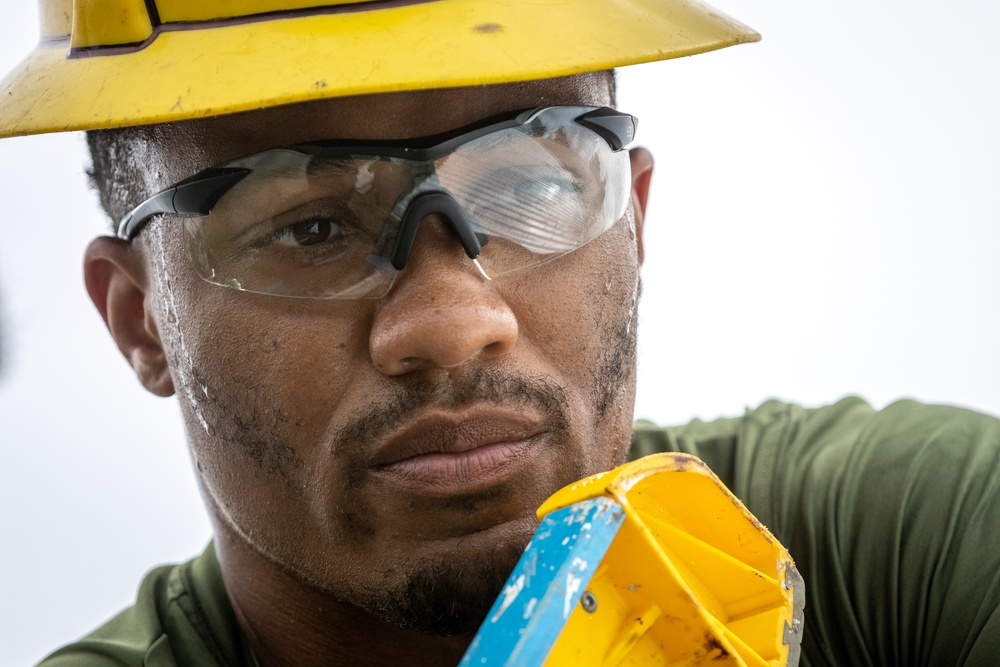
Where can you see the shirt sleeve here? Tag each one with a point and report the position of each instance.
(893, 518)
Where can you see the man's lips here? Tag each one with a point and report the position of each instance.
(454, 452)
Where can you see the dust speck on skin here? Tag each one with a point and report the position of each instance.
(488, 28)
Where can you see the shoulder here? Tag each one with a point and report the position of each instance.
(894, 514)
(891, 516)
(181, 617)
(739, 449)
(831, 445)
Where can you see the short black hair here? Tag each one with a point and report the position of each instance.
(114, 173)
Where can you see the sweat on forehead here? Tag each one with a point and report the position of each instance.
(130, 164)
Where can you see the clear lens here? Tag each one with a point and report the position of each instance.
(547, 189)
(307, 226)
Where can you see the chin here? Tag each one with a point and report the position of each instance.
(446, 596)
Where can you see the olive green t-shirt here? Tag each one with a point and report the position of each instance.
(893, 518)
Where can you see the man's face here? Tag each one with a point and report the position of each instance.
(392, 452)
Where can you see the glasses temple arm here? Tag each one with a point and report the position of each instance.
(198, 194)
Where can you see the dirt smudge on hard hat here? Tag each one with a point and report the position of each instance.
(488, 28)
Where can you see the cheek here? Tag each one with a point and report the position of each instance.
(573, 307)
(269, 372)
(579, 315)
(260, 380)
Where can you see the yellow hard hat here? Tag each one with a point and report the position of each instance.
(115, 63)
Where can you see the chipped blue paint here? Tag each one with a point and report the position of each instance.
(546, 585)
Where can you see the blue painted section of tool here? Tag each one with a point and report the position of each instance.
(546, 585)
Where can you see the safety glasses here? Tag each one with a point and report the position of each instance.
(330, 220)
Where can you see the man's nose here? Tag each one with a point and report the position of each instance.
(441, 311)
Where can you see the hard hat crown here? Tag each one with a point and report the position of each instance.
(116, 63)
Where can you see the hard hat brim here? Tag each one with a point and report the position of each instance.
(195, 70)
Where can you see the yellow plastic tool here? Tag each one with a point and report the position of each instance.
(680, 573)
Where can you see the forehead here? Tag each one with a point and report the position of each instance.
(179, 149)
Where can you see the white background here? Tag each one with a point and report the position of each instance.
(823, 222)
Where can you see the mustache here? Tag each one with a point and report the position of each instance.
(356, 439)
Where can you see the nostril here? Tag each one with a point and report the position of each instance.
(386, 365)
(496, 349)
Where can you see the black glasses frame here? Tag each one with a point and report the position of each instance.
(198, 194)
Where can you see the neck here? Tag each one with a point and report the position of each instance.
(289, 623)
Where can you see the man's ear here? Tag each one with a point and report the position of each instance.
(642, 173)
(116, 281)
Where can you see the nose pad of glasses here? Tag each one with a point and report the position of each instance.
(443, 204)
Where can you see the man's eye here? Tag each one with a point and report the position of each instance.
(308, 232)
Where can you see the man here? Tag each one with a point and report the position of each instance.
(371, 465)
